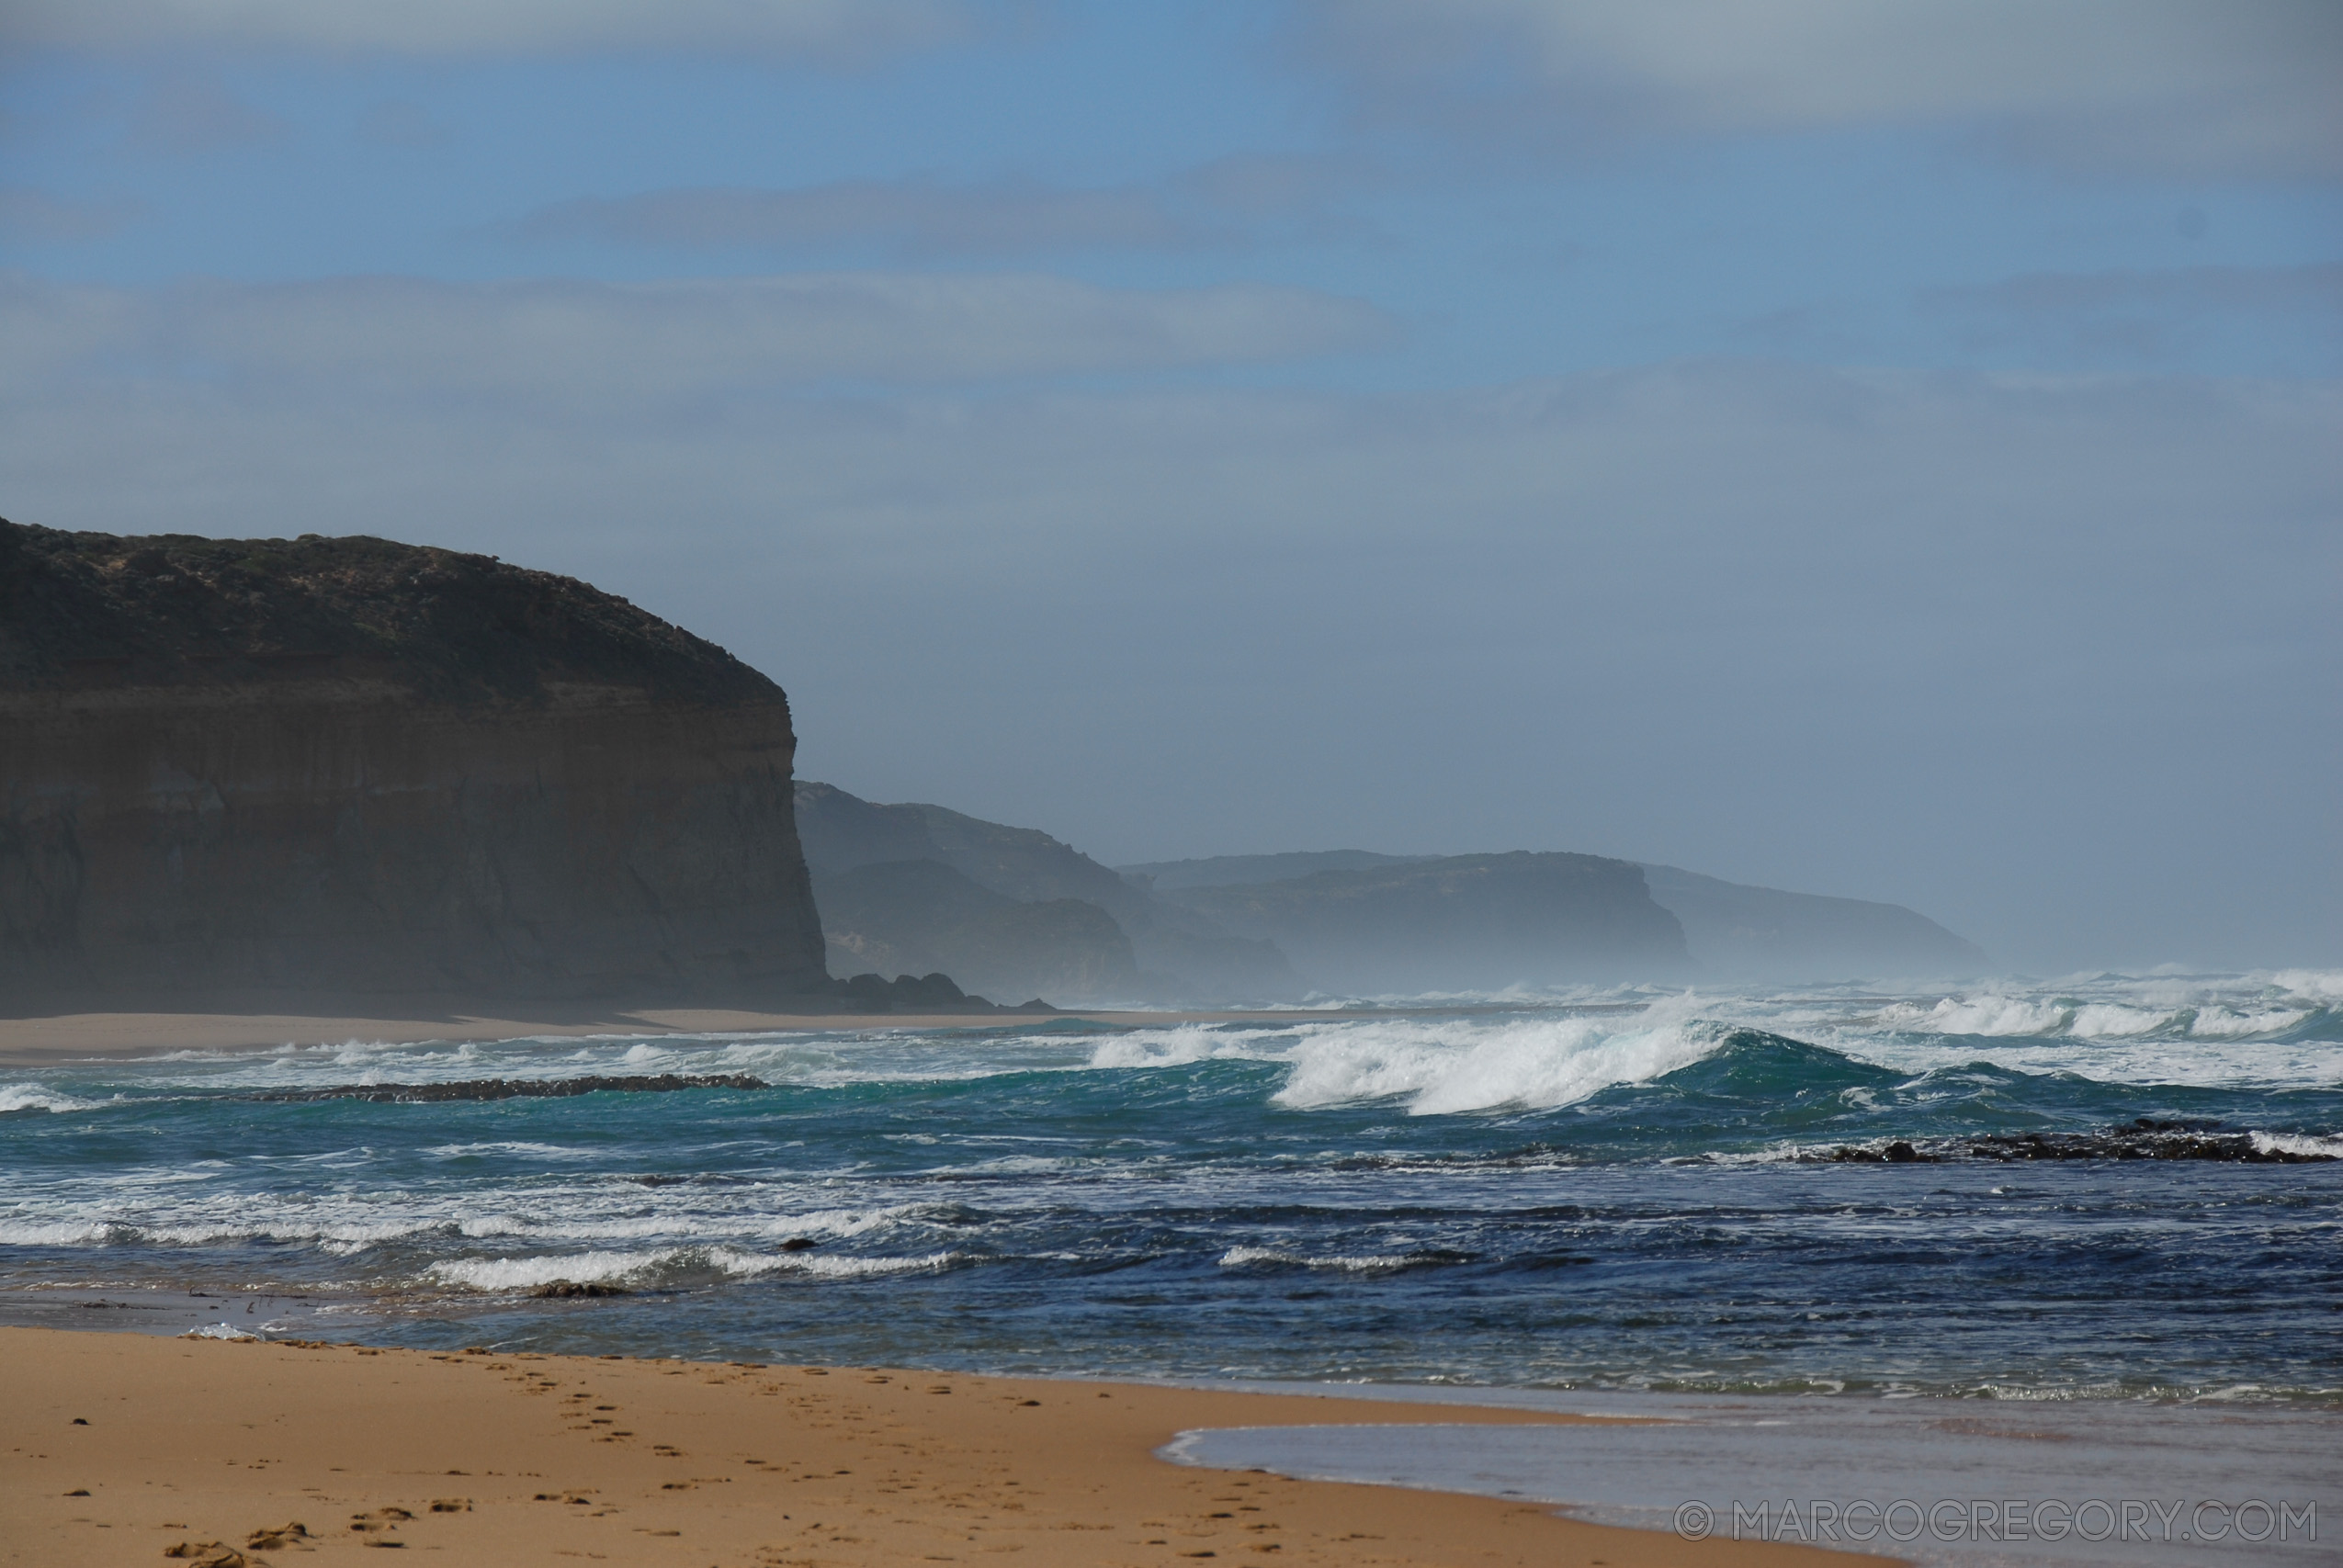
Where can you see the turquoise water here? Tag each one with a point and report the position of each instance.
(1618, 1190)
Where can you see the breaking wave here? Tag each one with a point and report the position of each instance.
(669, 1267)
(1440, 1068)
(33, 1097)
(1345, 1263)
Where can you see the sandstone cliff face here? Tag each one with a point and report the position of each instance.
(352, 766)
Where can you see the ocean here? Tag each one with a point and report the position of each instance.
(1839, 1193)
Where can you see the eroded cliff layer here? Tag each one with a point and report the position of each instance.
(349, 765)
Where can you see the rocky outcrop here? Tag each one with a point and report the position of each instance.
(2144, 1138)
(350, 766)
(920, 915)
(1180, 955)
(1459, 922)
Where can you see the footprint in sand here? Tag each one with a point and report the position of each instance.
(207, 1554)
(275, 1538)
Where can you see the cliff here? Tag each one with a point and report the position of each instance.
(1745, 932)
(1459, 922)
(1177, 953)
(1731, 930)
(317, 765)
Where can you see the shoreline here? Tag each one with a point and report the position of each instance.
(497, 1457)
(60, 1038)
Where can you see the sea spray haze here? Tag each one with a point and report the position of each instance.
(1626, 1188)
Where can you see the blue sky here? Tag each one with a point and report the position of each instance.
(1888, 450)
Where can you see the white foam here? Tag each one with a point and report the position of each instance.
(609, 1267)
(1444, 1069)
(1440, 1067)
(455, 1151)
(2226, 1023)
(833, 1268)
(1369, 1263)
(218, 1331)
(52, 1232)
(33, 1097)
(2297, 1144)
(1988, 1015)
(1185, 1044)
(527, 1273)
(2315, 985)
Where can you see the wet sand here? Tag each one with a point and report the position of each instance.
(118, 1449)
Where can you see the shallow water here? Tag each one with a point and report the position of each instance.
(1608, 1190)
(2044, 1483)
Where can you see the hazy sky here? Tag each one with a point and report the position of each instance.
(1882, 449)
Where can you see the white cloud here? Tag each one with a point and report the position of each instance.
(2247, 85)
(571, 343)
(818, 27)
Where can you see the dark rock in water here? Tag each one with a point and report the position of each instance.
(516, 1089)
(2142, 1139)
(574, 1289)
(352, 767)
(799, 1243)
(2133, 1142)
(1897, 1153)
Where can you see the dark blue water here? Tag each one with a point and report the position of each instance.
(1629, 1195)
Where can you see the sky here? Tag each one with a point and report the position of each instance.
(1889, 450)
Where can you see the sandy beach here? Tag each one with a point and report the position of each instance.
(126, 1448)
(32, 1042)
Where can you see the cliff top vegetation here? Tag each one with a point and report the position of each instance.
(95, 609)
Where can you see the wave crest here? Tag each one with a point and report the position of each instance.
(669, 1267)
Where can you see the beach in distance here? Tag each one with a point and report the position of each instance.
(69, 1036)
